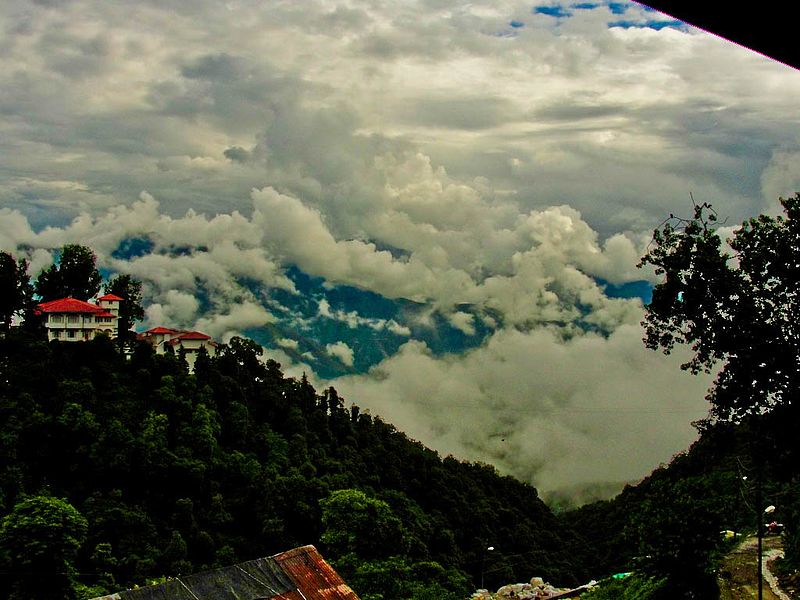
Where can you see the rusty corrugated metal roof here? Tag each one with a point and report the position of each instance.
(313, 576)
(299, 574)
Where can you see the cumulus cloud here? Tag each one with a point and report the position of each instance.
(288, 343)
(177, 308)
(341, 352)
(462, 321)
(781, 178)
(617, 121)
(240, 317)
(560, 414)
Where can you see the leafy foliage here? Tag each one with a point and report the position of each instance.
(668, 525)
(740, 309)
(355, 523)
(369, 546)
(634, 587)
(40, 538)
(676, 532)
(16, 292)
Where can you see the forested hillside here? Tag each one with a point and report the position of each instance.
(116, 471)
(668, 526)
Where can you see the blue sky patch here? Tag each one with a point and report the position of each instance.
(658, 25)
(618, 8)
(633, 289)
(552, 11)
(517, 24)
(133, 248)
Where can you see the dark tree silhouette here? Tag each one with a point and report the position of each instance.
(16, 291)
(130, 309)
(74, 275)
(739, 308)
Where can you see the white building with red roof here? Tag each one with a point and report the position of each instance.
(189, 343)
(73, 320)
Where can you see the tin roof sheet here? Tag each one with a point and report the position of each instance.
(299, 574)
(315, 577)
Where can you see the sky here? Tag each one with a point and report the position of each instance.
(435, 206)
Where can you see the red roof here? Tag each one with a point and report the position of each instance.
(161, 330)
(194, 335)
(68, 305)
(105, 314)
(111, 297)
(300, 574)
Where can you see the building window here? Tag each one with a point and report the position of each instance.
(56, 318)
(71, 334)
(73, 318)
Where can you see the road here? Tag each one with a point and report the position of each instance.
(738, 578)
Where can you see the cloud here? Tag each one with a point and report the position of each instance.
(462, 321)
(177, 309)
(288, 343)
(781, 178)
(560, 414)
(240, 317)
(198, 110)
(341, 352)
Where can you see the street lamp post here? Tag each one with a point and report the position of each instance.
(484, 550)
(760, 528)
(769, 510)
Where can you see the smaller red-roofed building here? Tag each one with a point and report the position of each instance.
(180, 341)
(73, 320)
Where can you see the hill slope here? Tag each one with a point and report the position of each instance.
(179, 473)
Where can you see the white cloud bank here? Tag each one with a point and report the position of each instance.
(560, 414)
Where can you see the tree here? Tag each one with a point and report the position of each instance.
(40, 539)
(739, 308)
(75, 275)
(16, 292)
(369, 544)
(354, 523)
(676, 535)
(130, 309)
